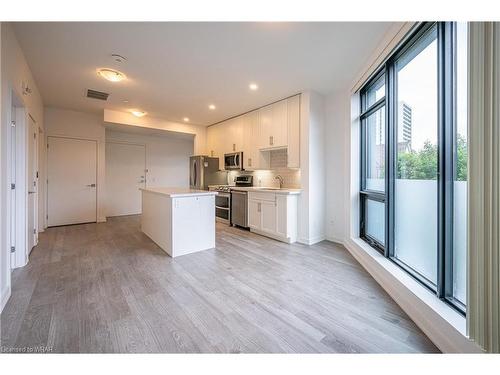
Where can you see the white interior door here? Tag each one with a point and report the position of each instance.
(72, 180)
(125, 175)
(32, 184)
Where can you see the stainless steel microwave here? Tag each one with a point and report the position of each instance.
(233, 161)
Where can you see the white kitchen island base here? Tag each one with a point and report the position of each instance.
(180, 221)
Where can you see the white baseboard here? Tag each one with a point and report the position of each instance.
(5, 297)
(337, 240)
(444, 326)
(312, 240)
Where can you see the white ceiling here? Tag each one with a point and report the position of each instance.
(176, 70)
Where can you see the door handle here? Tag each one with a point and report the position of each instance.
(31, 192)
(91, 185)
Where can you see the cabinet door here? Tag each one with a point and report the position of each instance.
(268, 212)
(211, 139)
(281, 215)
(279, 126)
(293, 121)
(254, 214)
(250, 126)
(265, 124)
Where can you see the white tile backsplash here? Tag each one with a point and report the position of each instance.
(291, 177)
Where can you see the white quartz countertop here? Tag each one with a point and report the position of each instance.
(178, 192)
(267, 189)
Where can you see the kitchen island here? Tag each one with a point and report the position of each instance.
(179, 220)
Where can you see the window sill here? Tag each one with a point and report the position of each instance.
(439, 321)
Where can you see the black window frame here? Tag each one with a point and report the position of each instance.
(367, 194)
(446, 40)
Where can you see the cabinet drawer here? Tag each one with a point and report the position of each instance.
(262, 196)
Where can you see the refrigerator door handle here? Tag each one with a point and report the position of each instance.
(195, 173)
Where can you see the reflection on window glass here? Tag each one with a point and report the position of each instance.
(376, 92)
(375, 220)
(460, 184)
(416, 174)
(375, 151)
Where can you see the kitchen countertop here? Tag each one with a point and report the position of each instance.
(178, 192)
(267, 189)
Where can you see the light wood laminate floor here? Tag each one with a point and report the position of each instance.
(108, 288)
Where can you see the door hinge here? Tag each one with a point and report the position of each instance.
(13, 124)
(12, 249)
(36, 174)
(12, 186)
(34, 230)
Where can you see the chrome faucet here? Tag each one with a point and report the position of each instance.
(280, 179)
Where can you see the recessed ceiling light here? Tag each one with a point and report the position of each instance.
(211, 107)
(186, 119)
(253, 86)
(137, 113)
(111, 75)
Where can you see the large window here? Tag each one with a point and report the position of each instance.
(373, 167)
(414, 158)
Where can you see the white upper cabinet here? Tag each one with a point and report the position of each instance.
(250, 125)
(276, 126)
(273, 126)
(293, 130)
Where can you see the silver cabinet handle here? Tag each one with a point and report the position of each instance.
(258, 207)
(91, 185)
(31, 192)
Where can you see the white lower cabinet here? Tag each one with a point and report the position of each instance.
(273, 215)
(254, 216)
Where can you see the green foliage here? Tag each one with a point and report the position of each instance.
(461, 159)
(422, 165)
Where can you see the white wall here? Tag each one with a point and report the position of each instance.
(125, 118)
(337, 126)
(73, 124)
(14, 71)
(312, 162)
(167, 158)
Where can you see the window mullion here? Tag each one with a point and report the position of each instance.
(390, 156)
(446, 79)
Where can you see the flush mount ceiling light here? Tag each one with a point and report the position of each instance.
(111, 75)
(211, 107)
(137, 113)
(253, 86)
(186, 119)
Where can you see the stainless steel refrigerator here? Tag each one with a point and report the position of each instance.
(204, 171)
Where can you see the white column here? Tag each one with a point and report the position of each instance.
(483, 291)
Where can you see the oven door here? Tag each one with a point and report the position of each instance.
(233, 161)
(223, 207)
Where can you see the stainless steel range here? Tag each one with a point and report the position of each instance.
(224, 209)
(222, 203)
